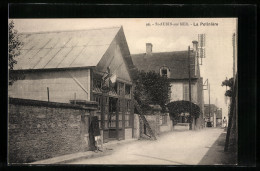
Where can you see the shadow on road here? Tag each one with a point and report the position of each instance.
(216, 154)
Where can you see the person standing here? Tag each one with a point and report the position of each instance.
(96, 134)
(224, 122)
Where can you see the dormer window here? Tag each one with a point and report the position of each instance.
(164, 71)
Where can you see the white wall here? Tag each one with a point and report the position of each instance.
(128, 133)
(61, 86)
(176, 92)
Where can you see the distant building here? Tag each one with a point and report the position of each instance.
(174, 65)
(215, 114)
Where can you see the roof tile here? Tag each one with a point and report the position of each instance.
(176, 61)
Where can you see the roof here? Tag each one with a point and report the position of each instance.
(176, 61)
(64, 49)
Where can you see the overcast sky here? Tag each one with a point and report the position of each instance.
(219, 58)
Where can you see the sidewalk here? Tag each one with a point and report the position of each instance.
(107, 150)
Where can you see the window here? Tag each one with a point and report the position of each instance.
(112, 104)
(119, 106)
(97, 84)
(128, 106)
(112, 112)
(127, 91)
(128, 114)
(186, 92)
(120, 89)
(164, 71)
(97, 98)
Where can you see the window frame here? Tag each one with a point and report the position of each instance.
(167, 71)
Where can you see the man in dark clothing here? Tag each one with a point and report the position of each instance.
(96, 133)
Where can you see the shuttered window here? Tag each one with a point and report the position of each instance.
(186, 92)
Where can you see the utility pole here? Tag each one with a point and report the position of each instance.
(209, 103)
(48, 94)
(189, 88)
(207, 81)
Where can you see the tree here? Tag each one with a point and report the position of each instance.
(228, 83)
(178, 107)
(151, 89)
(14, 47)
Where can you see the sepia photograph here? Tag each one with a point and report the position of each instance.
(122, 91)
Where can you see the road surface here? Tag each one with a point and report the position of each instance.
(203, 147)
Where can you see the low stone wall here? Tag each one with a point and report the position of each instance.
(128, 133)
(154, 118)
(168, 126)
(181, 127)
(39, 130)
(136, 126)
(154, 122)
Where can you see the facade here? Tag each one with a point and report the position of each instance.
(69, 66)
(175, 66)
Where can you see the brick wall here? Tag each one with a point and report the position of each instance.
(39, 130)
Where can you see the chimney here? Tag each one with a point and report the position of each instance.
(149, 48)
(195, 45)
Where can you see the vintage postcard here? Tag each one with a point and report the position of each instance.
(123, 91)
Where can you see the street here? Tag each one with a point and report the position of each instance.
(202, 147)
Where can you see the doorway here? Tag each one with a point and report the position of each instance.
(112, 118)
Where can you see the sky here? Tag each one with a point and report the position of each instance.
(165, 38)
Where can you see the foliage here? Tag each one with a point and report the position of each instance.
(229, 83)
(178, 107)
(14, 47)
(151, 89)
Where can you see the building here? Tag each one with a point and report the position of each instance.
(215, 114)
(69, 67)
(175, 66)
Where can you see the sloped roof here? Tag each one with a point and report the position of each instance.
(64, 49)
(176, 61)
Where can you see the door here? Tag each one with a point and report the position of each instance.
(112, 118)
